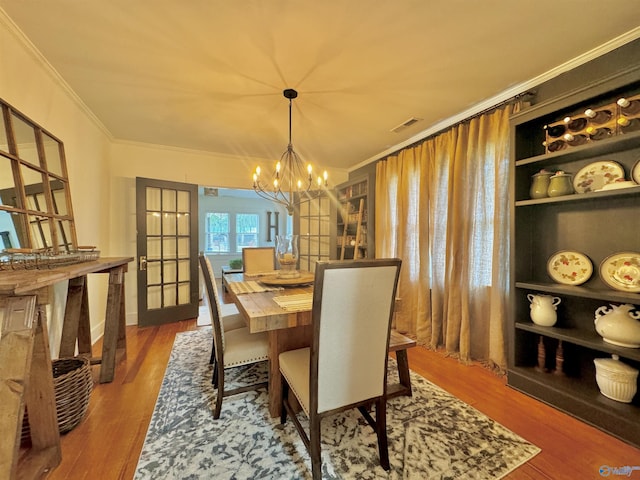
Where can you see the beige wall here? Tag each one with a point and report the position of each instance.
(102, 171)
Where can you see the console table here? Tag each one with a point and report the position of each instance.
(25, 360)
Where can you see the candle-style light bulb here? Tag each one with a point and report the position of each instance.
(326, 177)
(278, 167)
(299, 184)
(257, 171)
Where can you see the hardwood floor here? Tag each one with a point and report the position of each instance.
(106, 445)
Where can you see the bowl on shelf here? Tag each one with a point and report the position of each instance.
(616, 380)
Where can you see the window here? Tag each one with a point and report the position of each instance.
(217, 232)
(246, 230)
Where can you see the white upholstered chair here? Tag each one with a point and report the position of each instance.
(346, 366)
(231, 348)
(258, 260)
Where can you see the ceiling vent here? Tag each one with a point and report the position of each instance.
(210, 192)
(405, 124)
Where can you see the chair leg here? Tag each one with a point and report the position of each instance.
(220, 395)
(213, 352)
(314, 447)
(381, 431)
(214, 377)
(285, 396)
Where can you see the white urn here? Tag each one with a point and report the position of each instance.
(619, 325)
(543, 309)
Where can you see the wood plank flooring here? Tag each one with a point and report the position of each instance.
(108, 442)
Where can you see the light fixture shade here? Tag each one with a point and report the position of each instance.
(292, 181)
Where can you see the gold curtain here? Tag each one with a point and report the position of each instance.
(442, 206)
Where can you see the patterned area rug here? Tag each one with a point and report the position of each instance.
(432, 435)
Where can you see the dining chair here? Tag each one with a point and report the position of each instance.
(231, 348)
(258, 259)
(346, 365)
(230, 321)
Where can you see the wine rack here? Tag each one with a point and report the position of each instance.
(593, 124)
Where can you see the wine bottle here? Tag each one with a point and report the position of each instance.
(555, 130)
(554, 146)
(575, 140)
(575, 124)
(599, 133)
(629, 107)
(599, 116)
(629, 124)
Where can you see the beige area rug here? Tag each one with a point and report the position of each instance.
(432, 435)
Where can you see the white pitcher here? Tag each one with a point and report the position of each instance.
(543, 309)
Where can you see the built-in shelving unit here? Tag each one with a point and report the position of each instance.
(596, 224)
(353, 235)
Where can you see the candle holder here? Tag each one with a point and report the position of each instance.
(287, 256)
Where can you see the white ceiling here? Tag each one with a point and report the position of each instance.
(209, 74)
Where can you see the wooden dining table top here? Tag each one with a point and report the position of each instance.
(261, 311)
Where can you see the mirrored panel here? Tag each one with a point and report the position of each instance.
(154, 298)
(184, 293)
(25, 136)
(183, 224)
(153, 223)
(52, 155)
(59, 197)
(34, 190)
(169, 295)
(183, 201)
(4, 139)
(13, 230)
(153, 199)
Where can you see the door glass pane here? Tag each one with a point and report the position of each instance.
(153, 273)
(183, 224)
(168, 223)
(153, 199)
(153, 223)
(183, 202)
(169, 201)
(153, 248)
(170, 271)
(169, 248)
(25, 136)
(304, 226)
(52, 155)
(183, 270)
(183, 247)
(154, 298)
(184, 293)
(170, 299)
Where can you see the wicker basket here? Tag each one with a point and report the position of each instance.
(72, 383)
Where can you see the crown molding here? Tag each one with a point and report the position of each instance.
(40, 59)
(507, 94)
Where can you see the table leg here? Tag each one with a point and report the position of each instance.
(113, 337)
(72, 313)
(281, 341)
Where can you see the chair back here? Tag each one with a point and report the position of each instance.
(214, 307)
(353, 305)
(258, 259)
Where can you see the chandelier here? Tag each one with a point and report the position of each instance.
(291, 181)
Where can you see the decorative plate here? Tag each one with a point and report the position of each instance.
(569, 268)
(596, 175)
(305, 278)
(635, 172)
(621, 271)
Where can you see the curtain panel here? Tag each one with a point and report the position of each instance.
(442, 206)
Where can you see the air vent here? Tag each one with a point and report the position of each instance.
(210, 192)
(405, 124)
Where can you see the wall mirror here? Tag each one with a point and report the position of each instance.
(35, 200)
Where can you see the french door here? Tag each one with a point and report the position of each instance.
(167, 247)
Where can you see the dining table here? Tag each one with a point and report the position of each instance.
(282, 309)
(287, 319)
